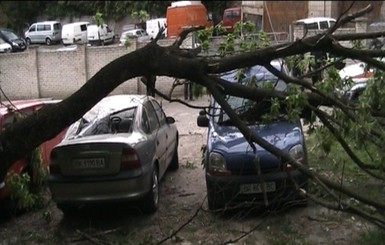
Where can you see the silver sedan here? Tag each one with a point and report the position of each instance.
(119, 150)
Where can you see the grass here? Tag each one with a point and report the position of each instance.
(336, 165)
(190, 165)
(373, 237)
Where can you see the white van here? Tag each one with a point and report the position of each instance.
(311, 26)
(153, 26)
(100, 35)
(73, 33)
(47, 32)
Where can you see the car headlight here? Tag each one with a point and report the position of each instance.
(217, 164)
(15, 44)
(297, 152)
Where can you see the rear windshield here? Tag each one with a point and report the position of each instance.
(83, 27)
(101, 121)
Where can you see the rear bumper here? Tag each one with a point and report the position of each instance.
(88, 191)
(226, 189)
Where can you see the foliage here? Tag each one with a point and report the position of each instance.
(18, 15)
(98, 18)
(373, 237)
(25, 192)
(142, 15)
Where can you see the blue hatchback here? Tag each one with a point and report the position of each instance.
(233, 177)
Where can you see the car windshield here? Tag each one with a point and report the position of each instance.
(10, 35)
(101, 121)
(250, 111)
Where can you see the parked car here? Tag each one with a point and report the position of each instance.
(230, 17)
(119, 150)
(8, 115)
(17, 43)
(4, 46)
(153, 26)
(140, 34)
(359, 74)
(232, 175)
(100, 35)
(74, 33)
(47, 32)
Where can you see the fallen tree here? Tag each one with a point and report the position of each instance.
(364, 121)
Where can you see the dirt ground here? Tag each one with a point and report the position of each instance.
(183, 217)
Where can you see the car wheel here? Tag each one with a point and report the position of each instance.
(174, 165)
(212, 201)
(151, 200)
(28, 41)
(48, 41)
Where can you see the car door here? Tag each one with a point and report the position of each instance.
(40, 32)
(32, 33)
(169, 131)
(159, 135)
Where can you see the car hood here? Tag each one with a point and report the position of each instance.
(229, 141)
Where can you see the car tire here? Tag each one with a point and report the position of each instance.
(212, 202)
(48, 41)
(174, 165)
(151, 200)
(28, 41)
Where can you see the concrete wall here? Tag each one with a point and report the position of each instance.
(40, 72)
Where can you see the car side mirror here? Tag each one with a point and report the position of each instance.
(202, 120)
(170, 120)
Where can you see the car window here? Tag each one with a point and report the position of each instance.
(311, 26)
(160, 113)
(83, 27)
(145, 125)
(122, 121)
(324, 25)
(56, 27)
(40, 27)
(10, 35)
(100, 121)
(32, 29)
(152, 117)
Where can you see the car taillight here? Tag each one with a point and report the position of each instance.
(130, 159)
(54, 167)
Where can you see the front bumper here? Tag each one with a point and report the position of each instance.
(225, 190)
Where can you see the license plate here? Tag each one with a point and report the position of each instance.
(89, 163)
(256, 188)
